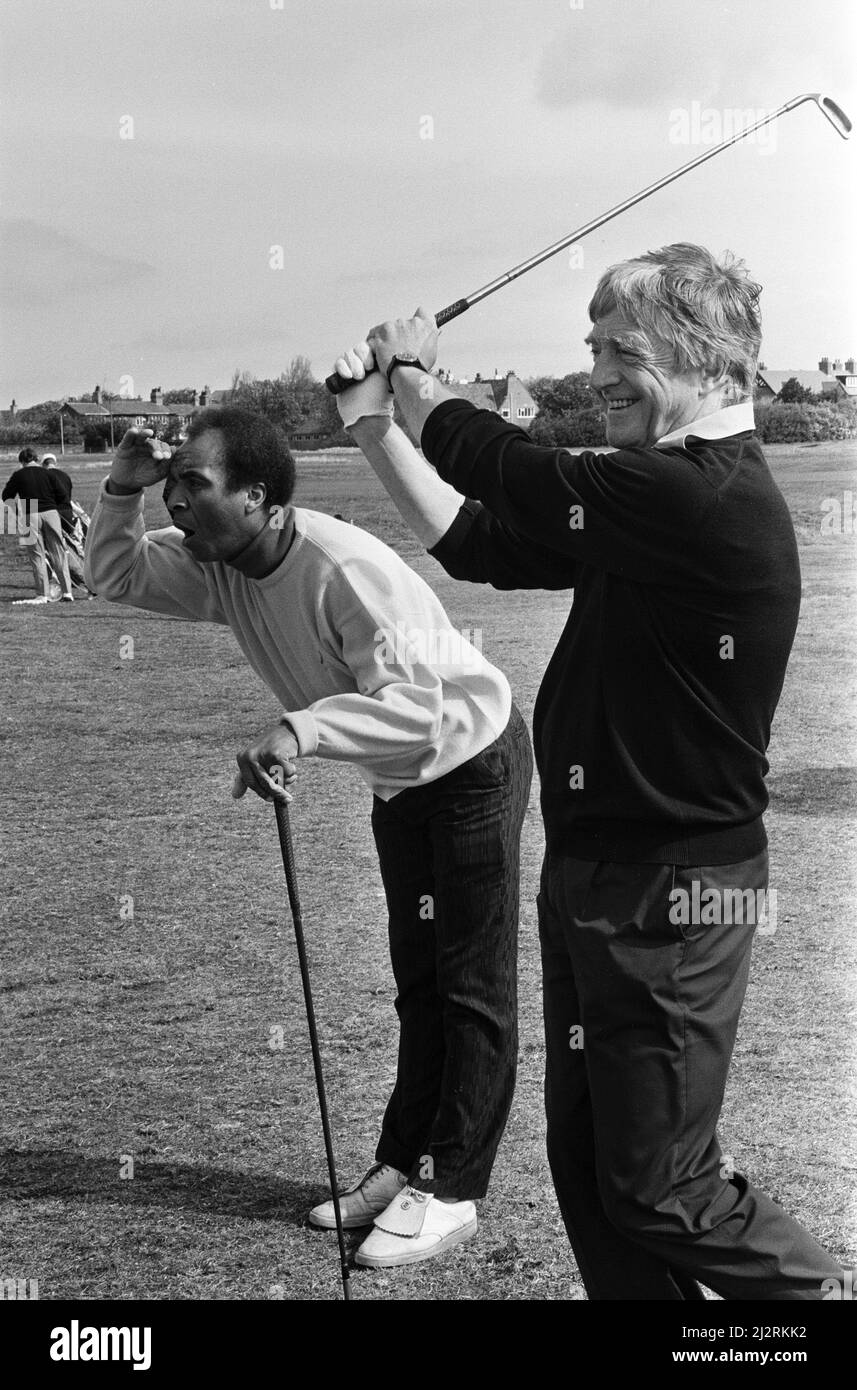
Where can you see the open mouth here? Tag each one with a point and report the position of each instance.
(619, 404)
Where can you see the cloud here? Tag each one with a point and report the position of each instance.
(41, 265)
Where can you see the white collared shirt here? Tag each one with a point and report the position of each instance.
(732, 419)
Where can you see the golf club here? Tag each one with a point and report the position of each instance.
(284, 830)
(834, 114)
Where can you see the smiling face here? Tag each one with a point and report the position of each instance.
(218, 524)
(643, 393)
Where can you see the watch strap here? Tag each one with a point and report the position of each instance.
(402, 362)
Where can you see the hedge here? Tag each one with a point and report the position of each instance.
(576, 429)
(18, 435)
(777, 422)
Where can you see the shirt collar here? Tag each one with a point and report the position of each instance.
(732, 419)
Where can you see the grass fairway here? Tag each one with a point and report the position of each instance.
(160, 1133)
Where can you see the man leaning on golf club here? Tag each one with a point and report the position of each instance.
(367, 669)
(650, 731)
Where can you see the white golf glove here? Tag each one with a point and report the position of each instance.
(370, 395)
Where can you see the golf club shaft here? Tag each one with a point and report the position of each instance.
(285, 833)
(835, 115)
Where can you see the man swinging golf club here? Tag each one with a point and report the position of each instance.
(368, 669)
(650, 727)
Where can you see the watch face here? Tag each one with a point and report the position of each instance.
(402, 359)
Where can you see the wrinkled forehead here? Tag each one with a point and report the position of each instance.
(204, 451)
(622, 333)
(616, 328)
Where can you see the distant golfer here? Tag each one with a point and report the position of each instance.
(368, 670)
(39, 495)
(651, 727)
(73, 519)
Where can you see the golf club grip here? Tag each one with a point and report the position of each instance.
(281, 810)
(452, 311)
(336, 383)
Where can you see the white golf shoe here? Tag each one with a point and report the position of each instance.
(416, 1226)
(371, 1195)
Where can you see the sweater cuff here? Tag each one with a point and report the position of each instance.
(121, 500)
(434, 436)
(455, 537)
(303, 726)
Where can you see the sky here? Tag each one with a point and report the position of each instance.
(192, 187)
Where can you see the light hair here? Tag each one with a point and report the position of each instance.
(706, 311)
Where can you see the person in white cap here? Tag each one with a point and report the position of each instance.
(74, 522)
(39, 495)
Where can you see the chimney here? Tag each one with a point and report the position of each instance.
(837, 366)
(205, 398)
(849, 367)
(195, 401)
(156, 396)
(12, 408)
(96, 395)
(824, 365)
(496, 373)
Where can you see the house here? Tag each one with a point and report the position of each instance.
(312, 434)
(507, 395)
(833, 380)
(842, 387)
(842, 384)
(770, 383)
(125, 413)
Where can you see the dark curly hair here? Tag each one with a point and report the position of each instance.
(254, 451)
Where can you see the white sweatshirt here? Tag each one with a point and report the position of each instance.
(354, 645)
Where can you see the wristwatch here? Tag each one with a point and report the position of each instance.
(403, 359)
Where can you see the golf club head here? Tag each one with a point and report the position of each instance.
(834, 114)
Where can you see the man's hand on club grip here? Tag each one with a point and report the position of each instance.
(415, 337)
(267, 766)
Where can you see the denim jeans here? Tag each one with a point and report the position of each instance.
(449, 854)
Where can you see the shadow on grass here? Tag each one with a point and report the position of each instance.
(815, 791)
(38, 1174)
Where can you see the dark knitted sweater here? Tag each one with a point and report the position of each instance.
(34, 483)
(655, 711)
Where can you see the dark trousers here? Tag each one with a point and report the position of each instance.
(449, 854)
(633, 1100)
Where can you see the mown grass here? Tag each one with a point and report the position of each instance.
(147, 1039)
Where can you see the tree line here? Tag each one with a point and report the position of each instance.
(568, 414)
